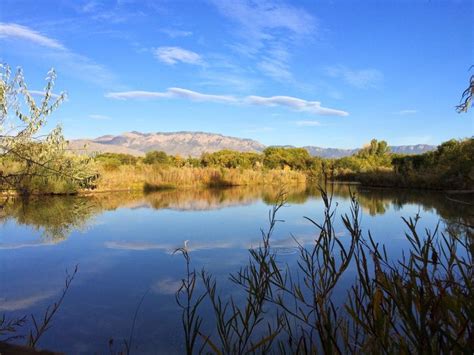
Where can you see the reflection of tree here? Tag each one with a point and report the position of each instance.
(57, 217)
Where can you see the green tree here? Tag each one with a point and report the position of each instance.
(156, 157)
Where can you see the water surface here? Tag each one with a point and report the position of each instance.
(124, 243)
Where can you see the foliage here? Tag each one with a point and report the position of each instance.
(294, 158)
(156, 157)
(112, 161)
(29, 160)
(451, 166)
(232, 159)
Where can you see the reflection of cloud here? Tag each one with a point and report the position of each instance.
(239, 242)
(22, 303)
(166, 286)
(137, 246)
(25, 245)
(169, 248)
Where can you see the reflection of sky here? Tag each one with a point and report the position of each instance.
(129, 250)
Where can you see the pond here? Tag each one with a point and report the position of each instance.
(124, 243)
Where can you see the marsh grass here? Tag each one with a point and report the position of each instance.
(139, 177)
(420, 303)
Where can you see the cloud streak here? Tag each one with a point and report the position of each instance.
(42, 93)
(313, 107)
(173, 55)
(73, 63)
(171, 93)
(266, 30)
(12, 30)
(294, 103)
(361, 79)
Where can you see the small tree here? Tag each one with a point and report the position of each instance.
(30, 160)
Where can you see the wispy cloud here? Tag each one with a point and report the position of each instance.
(276, 69)
(406, 112)
(294, 103)
(308, 123)
(362, 78)
(42, 93)
(266, 30)
(173, 33)
(171, 93)
(72, 63)
(15, 31)
(99, 117)
(173, 55)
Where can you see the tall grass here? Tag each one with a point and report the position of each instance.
(153, 177)
(420, 303)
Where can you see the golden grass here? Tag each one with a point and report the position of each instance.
(148, 177)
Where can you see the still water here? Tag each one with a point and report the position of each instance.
(124, 243)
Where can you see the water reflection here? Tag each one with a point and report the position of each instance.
(123, 243)
(56, 217)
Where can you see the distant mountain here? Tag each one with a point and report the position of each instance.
(330, 152)
(412, 149)
(175, 143)
(89, 146)
(339, 153)
(195, 143)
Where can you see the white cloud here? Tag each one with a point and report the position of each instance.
(197, 96)
(362, 79)
(12, 30)
(276, 69)
(312, 107)
(72, 63)
(266, 30)
(99, 117)
(173, 55)
(308, 123)
(406, 112)
(295, 103)
(140, 95)
(42, 93)
(171, 93)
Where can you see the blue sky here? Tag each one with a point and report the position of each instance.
(325, 73)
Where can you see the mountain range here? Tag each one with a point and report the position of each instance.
(195, 143)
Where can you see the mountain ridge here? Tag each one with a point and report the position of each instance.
(194, 143)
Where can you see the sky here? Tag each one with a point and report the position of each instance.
(323, 73)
